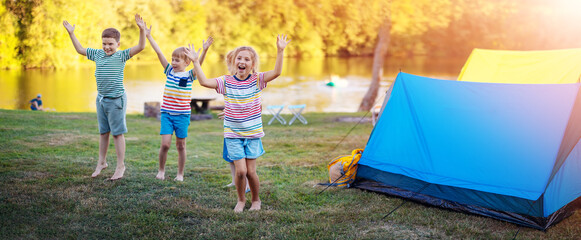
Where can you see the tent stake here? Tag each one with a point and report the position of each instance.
(331, 184)
(405, 201)
(516, 234)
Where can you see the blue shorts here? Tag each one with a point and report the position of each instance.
(178, 123)
(225, 153)
(239, 148)
(111, 114)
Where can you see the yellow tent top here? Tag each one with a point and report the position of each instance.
(530, 67)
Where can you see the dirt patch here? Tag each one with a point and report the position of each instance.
(35, 175)
(60, 139)
(71, 117)
(353, 119)
(402, 231)
(314, 184)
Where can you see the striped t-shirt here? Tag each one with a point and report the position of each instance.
(109, 72)
(242, 105)
(176, 96)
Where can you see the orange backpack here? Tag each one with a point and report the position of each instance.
(342, 169)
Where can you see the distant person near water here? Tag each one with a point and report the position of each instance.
(111, 98)
(36, 103)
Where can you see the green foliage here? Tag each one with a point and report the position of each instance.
(411, 19)
(476, 23)
(44, 45)
(33, 35)
(189, 25)
(317, 28)
(8, 39)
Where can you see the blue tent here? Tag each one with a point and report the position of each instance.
(507, 151)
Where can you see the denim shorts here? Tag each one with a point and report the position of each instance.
(111, 114)
(178, 123)
(225, 153)
(239, 148)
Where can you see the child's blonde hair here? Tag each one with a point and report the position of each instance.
(230, 57)
(181, 53)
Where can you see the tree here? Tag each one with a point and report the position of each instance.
(8, 40)
(22, 10)
(46, 38)
(480, 24)
(404, 19)
(377, 68)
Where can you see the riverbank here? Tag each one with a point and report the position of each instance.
(46, 190)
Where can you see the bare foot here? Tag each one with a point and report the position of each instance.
(160, 175)
(230, 185)
(255, 206)
(239, 207)
(119, 171)
(179, 178)
(98, 170)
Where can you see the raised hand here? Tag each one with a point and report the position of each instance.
(207, 43)
(142, 38)
(282, 41)
(148, 30)
(140, 23)
(68, 26)
(191, 53)
(71, 30)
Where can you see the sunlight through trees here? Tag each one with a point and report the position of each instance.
(32, 33)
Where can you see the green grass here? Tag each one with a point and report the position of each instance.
(46, 191)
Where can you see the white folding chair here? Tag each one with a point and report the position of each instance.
(275, 111)
(296, 110)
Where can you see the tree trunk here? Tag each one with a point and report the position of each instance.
(378, 59)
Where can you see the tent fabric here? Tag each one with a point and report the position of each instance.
(528, 67)
(491, 145)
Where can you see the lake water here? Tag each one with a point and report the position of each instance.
(303, 81)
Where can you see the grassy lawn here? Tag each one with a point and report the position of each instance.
(46, 191)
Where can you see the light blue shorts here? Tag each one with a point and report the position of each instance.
(239, 148)
(178, 123)
(111, 114)
(225, 153)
